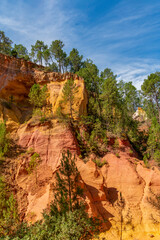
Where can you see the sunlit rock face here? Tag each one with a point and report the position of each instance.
(140, 115)
(122, 187)
(122, 193)
(17, 76)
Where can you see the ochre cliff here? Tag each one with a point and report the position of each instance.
(122, 187)
(17, 76)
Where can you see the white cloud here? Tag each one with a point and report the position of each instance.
(137, 71)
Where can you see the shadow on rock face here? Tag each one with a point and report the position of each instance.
(98, 207)
(112, 195)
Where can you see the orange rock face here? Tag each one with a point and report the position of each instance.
(121, 177)
(122, 192)
(17, 76)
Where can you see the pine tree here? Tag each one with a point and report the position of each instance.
(38, 52)
(5, 44)
(69, 91)
(58, 53)
(67, 190)
(38, 95)
(8, 210)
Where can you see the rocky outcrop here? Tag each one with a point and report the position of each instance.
(17, 76)
(140, 115)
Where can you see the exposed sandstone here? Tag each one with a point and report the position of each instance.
(17, 76)
(124, 175)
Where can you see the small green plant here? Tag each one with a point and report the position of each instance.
(157, 156)
(43, 119)
(116, 145)
(117, 155)
(99, 163)
(37, 112)
(130, 151)
(8, 209)
(4, 141)
(145, 160)
(35, 158)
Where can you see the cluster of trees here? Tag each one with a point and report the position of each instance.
(110, 109)
(8, 206)
(53, 57)
(151, 104)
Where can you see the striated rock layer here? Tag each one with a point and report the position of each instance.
(122, 192)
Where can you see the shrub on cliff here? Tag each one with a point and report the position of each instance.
(8, 210)
(69, 91)
(38, 95)
(153, 143)
(4, 143)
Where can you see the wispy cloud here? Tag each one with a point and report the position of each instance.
(137, 71)
(47, 22)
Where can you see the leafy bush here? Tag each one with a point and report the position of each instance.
(145, 160)
(116, 144)
(4, 142)
(43, 119)
(35, 158)
(157, 156)
(117, 155)
(8, 210)
(38, 95)
(153, 142)
(99, 163)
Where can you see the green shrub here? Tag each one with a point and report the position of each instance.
(38, 95)
(145, 160)
(4, 141)
(99, 163)
(43, 119)
(8, 210)
(157, 156)
(117, 155)
(37, 112)
(130, 151)
(35, 158)
(116, 144)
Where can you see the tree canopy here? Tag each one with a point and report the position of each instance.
(151, 91)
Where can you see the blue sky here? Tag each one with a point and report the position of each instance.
(119, 34)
